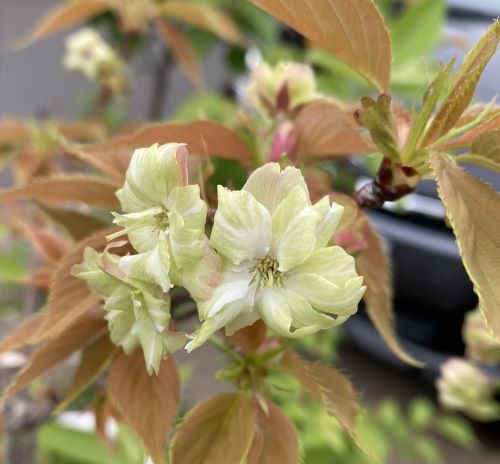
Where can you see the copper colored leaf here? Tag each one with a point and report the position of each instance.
(275, 439)
(70, 297)
(62, 17)
(50, 246)
(327, 386)
(90, 131)
(148, 402)
(375, 267)
(250, 338)
(219, 430)
(352, 30)
(203, 16)
(485, 151)
(12, 131)
(82, 332)
(473, 209)
(94, 359)
(182, 50)
(78, 225)
(202, 138)
(324, 129)
(71, 187)
(464, 84)
(22, 335)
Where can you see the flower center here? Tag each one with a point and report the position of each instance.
(266, 273)
(162, 220)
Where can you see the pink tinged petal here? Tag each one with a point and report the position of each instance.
(242, 227)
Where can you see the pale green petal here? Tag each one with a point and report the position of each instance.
(120, 325)
(332, 263)
(270, 185)
(303, 316)
(89, 270)
(150, 266)
(243, 320)
(186, 244)
(274, 311)
(233, 286)
(326, 296)
(242, 227)
(331, 216)
(186, 202)
(199, 276)
(142, 227)
(152, 174)
(294, 230)
(151, 342)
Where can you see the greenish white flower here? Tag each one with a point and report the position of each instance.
(464, 387)
(164, 219)
(282, 88)
(88, 53)
(138, 313)
(480, 344)
(276, 262)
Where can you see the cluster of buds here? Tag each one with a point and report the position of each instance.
(282, 89)
(89, 54)
(464, 387)
(268, 257)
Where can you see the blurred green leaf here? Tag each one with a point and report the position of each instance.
(418, 30)
(457, 430)
(421, 412)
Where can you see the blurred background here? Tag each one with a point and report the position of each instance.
(433, 293)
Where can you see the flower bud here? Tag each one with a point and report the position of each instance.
(480, 344)
(283, 88)
(464, 387)
(88, 53)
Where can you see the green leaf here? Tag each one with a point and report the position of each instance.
(464, 84)
(377, 117)
(74, 446)
(485, 151)
(426, 449)
(473, 209)
(421, 412)
(431, 97)
(418, 30)
(457, 430)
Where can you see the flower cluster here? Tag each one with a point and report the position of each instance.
(268, 257)
(89, 54)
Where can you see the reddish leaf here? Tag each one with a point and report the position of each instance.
(70, 297)
(203, 16)
(62, 17)
(82, 332)
(250, 338)
(202, 138)
(12, 131)
(324, 130)
(375, 267)
(473, 209)
(275, 439)
(148, 403)
(22, 335)
(78, 225)
(95, 358)
(59, 189)
(182, 50)
(219, 430)
(353, 30)
(50, 246)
